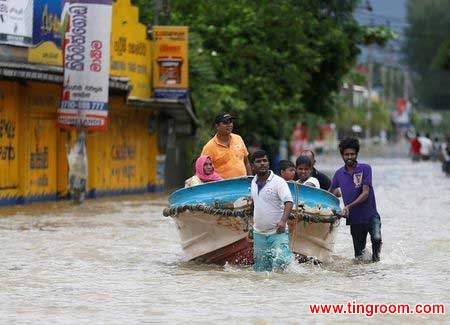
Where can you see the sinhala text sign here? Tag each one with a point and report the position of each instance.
(87, 33)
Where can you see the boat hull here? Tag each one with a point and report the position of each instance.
(213, 238)
(312, 239)
(220, 238)
(237, 253)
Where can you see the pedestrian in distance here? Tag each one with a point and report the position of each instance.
(414, 150)
(355, 182)
(287, 170)
(273, 203)
(426, 147)
(445, 153)
(204, 172)
(227, 150)
(436, 149)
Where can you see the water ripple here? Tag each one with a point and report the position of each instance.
(119, 261)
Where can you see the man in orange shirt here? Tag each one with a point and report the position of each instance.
(227, 150)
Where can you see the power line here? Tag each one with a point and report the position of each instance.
(372, 15)
(367, 20)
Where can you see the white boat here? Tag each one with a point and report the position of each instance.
(213, 221)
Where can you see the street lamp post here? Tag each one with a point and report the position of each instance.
(369, 92)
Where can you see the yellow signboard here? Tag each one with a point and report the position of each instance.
(170, 62)
(130, 49)
(45, 53)
(46, 33)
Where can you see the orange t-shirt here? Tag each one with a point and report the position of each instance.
(228, 161)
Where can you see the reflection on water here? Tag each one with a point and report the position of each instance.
(119, 261)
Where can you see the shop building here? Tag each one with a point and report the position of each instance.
(142, 149)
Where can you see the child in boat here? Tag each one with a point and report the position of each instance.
(204, 172)
(287, 170)
(304, 169)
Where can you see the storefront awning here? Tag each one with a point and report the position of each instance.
(180, 110)
(52, 74)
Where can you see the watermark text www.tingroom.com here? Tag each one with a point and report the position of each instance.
(369, 310)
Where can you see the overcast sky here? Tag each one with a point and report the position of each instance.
(390, 13)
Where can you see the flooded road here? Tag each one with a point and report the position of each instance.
(118, 261)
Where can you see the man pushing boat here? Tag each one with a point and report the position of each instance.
(273, 202)
(355, 181)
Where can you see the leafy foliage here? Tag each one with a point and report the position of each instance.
(427, 51)
(442, 58)
(379, 35)
(268, 62)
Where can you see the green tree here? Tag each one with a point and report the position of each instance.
(427, 50)
(268, 62)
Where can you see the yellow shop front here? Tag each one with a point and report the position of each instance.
(33, 152)
(130, 157)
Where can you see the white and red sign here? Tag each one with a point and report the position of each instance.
(86, 40)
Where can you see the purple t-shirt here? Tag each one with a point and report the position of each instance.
(351, 185)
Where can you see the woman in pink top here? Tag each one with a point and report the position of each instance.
(204, 172)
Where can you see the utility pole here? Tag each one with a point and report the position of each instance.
(392, 72)
(370, 64)
(406, 83)
(158, 6)
(407, 91)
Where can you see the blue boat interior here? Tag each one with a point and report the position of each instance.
(230, 190)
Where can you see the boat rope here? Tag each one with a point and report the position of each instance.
(297, 214)
(312, 218)
(172, 212)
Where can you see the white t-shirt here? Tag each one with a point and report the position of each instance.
(311, 180)
(269, 203)
(426, 146)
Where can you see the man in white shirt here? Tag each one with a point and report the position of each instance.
(273, 203)
(426, 147)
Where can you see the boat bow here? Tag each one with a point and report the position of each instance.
(213, 220)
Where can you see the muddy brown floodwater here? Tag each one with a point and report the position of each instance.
(118, 261)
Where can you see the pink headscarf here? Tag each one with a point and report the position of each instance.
(201, 174)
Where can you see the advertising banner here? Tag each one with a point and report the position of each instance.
(16, 22)
(170, 76)
(86, 53)
(130, 49)
(46, 33)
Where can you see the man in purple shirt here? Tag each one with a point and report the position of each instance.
(355, 181)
